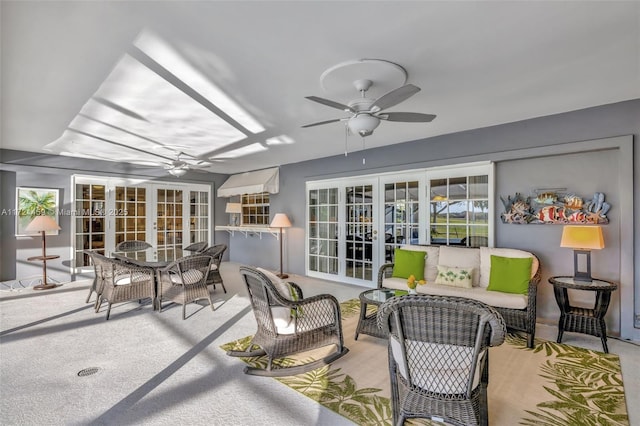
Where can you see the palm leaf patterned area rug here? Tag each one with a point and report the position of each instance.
(551, 384)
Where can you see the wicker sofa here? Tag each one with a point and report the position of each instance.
(518, 310)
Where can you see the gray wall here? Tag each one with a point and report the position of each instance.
(21, 169)
(584, 173)
(510, 145)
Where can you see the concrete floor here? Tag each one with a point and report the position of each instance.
(156, 369)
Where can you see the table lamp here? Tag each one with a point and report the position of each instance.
(43, 224)
(234, 209)
(280, 220)
(582, 239)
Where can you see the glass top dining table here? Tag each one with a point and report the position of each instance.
(151, 257)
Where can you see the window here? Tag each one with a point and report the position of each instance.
(255, 209)
(198, 216)
(401, 215)
(90, 209)
(323, 230)
(459, 209)
(130, 213)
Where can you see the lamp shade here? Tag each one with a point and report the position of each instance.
(233, 208)
(280, 220)
(177, 172)
(42, 223)
(582, 237)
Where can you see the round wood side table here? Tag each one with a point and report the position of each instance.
(583, 320)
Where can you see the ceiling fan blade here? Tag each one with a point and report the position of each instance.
(407, 117)
(323, 122)
(330, 103)
(394, 97)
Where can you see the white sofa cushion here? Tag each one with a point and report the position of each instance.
(492, 298)
(395, 283)
(496, 299)
(485, 261)
(430, 262)
(461, 257)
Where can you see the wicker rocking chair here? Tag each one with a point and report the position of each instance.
(439, 358)
(287, 327)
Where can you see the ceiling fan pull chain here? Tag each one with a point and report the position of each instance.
(363, 159)
(346, 136)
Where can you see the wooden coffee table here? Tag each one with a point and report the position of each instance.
(368, 324)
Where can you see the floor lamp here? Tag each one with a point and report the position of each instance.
(280, 220)
(43, 224)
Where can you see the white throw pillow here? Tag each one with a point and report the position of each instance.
(280, 285)
(461, 257)
(281, 316)
(454, 276)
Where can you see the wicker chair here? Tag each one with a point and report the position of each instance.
(123, 282)
(184, 281)
(132, 245)
(99, 262)
(287, 327)
(439, 358)
(196, 247)
(214, 276)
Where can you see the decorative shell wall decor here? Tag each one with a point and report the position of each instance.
(555, 208)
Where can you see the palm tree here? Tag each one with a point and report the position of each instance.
(36, 203)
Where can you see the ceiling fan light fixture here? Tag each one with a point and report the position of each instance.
(363, 124)
(177, 172)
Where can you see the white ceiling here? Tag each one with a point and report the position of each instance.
(478, 64)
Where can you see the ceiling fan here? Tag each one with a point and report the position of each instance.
(366, 113)
(180, 167)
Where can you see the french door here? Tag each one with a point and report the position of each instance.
(342, 232)
(108, 211)
(355, 224)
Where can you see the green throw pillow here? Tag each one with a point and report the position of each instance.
(510, 274)
(409, 262)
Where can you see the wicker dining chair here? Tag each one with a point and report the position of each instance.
(132, 245)
(287, 327)
(196, 247)
(99, 262)
(184, 281)
(216, 252)
(123, 282)
(439, 358)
